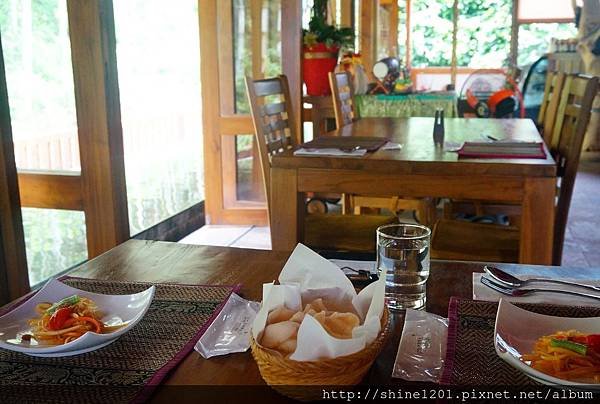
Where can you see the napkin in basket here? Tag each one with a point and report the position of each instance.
(482, 292)
(308, 276)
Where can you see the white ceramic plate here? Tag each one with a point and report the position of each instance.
(117, 309)
(517, 330)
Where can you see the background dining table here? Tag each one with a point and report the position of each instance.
(164, 262)
(420, 169)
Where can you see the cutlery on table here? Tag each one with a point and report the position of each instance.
(526, 292)
(512, 281)
(350, 149)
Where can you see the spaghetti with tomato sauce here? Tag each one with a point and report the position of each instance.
(568, 355)
(66, 320)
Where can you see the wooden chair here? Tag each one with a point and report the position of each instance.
(342, 93)
(275, 133)
(545, 123)
(457, 240)
(549, 106)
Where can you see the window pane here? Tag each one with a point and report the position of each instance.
(432, 32)
(547, 10)
(483, 38)
(159, 82)
(534, 39)
(248, 170)
(37, 57)
(267, 61)
(54, 240)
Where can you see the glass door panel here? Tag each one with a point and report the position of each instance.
(39, 75)
(54, 240)
(256, 40)
(159, 63)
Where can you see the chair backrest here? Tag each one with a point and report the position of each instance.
(549, 106)
(270, 105)
(342, 94)
(571, 124)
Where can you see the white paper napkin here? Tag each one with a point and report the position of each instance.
(482, 292)
(452, 146)
(391, 146)
(330, 152)
(308, 276)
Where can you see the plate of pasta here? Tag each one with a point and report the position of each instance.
(551, 350)
(60, 320)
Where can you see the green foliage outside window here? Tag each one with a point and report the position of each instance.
(484, 33)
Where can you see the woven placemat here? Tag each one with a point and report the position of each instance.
(131, 367)
(471, 359)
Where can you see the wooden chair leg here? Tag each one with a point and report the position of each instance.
(346, 204)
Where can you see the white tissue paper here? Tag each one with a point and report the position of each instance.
(308, 276)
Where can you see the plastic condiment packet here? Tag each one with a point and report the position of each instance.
(422, 347)
(230, 330)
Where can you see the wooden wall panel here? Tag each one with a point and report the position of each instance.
(93, 53)
(14, 280)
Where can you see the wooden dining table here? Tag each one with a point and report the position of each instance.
(420, 169)
(164, 262)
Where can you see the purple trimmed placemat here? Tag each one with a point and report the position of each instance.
(130, 368)
(471, 359)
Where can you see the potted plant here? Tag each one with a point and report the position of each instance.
(322, 43)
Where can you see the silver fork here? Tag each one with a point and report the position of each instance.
(528, 291)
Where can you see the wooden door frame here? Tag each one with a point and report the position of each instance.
(220, 122)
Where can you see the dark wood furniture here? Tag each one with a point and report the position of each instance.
(342, 93)
(163, 262)
(452, 239)
(421, 170)
(275, 134)
(320, 113)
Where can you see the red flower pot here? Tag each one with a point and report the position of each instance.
(318, 61)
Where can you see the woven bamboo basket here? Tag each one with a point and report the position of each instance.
(291, 378)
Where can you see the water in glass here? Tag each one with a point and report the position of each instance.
(403, 254)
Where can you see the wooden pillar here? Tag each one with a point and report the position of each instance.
(368, 33)
(256, 38)
(454, 61)
(256, 191)
(14, 279)
(394, 27)
(291, 49)
(93, 52)
(514, 34)
(346, 16)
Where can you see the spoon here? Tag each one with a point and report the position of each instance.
(511, 280)
(526, 292)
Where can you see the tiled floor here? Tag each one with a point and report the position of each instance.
(582, 239)
(231, 236)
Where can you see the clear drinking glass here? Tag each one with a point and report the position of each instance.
(403, 251)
